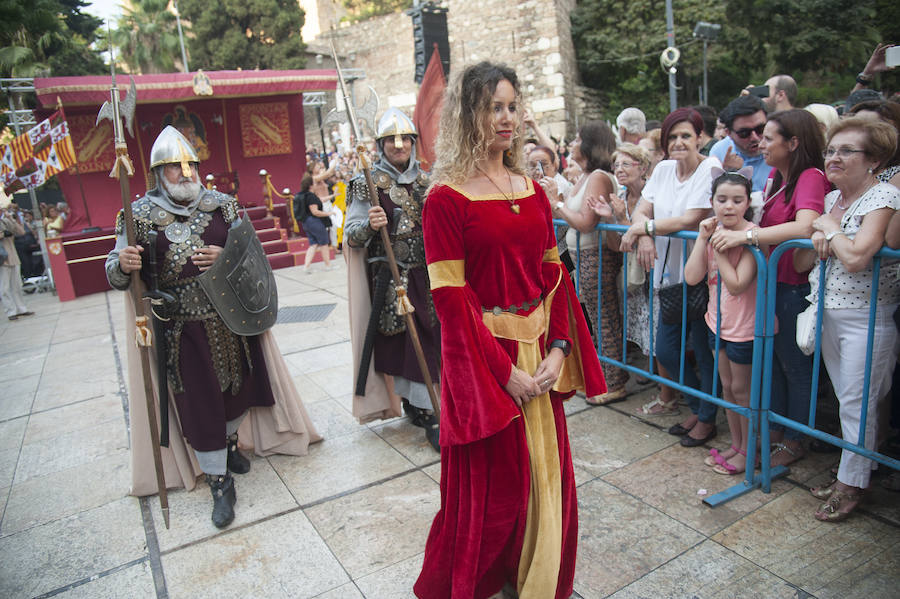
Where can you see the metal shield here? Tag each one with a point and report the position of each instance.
(241, 285)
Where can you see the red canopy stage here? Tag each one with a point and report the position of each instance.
(239, 121)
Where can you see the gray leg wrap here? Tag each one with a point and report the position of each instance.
(416, 393)
(231, 426)
(213, 462)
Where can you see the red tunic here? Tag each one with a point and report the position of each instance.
(508, 506)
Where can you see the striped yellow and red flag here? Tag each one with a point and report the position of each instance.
(37, 154)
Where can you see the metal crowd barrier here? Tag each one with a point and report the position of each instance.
(759, 410)
(808, 428)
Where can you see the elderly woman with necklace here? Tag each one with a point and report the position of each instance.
(848, 235)
(514, 346)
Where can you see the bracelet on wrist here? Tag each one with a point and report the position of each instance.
(864, 79)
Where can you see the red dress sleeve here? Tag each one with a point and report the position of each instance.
(474, 367)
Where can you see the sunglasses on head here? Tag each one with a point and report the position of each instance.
(745, 133)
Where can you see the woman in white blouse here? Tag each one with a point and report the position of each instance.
(677, 198)
(848, 235)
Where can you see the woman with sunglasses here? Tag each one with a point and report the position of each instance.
(795, 196)
(848, 235)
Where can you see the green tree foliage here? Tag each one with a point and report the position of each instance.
(244, 34)
(147, 37)
(359, 10)
(47, 37)
(822, 43)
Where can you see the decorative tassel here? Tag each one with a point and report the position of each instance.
(404, 306)
(142, 335)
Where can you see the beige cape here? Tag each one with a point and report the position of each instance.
(283, 428)
(380, 402)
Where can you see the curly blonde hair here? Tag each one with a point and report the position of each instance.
(466, 131)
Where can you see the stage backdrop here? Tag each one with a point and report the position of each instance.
(239, 121)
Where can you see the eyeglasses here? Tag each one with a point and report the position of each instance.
(745, 133)
(843, 153)
(625, 165)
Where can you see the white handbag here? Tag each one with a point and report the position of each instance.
(806, 320)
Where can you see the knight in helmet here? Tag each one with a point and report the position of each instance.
(383, 351)
(215, 375)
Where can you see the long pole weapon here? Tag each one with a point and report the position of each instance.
(404, 306)
(122, 169)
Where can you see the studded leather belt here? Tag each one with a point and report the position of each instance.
(515, 308)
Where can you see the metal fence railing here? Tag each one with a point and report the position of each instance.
(759, 412)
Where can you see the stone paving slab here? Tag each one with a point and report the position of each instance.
(620, 539)
(59, 553)
(709, 571)
(338, 465)
(70, 449)
(370, 530)
(676, 481)
(282, 558)
(822, 558)
(392, 582)
(603, 440)
(260, 496)
(134, 581)
(42, 499)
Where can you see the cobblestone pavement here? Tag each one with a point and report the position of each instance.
(350, 519)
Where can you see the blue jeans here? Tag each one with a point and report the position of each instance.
(791, 369)
(668, 352)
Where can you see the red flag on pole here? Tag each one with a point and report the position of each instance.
(427, 114)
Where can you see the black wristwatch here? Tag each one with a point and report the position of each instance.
(863, 79)
(562, 344)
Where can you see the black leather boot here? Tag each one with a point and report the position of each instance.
(427, 420)
(224, 498)
(237, 462)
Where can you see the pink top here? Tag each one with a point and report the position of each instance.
(738, 312)
(809, 194)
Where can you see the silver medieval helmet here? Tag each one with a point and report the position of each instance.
(395, 124)
(171, 147)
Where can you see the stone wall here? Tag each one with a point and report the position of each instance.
(532, 36)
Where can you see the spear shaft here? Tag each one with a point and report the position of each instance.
(122, 171)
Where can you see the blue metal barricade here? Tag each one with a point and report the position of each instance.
(759, 412)
(808, 428)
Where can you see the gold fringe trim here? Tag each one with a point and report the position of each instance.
(142, 335)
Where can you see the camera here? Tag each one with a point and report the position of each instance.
(760, 91)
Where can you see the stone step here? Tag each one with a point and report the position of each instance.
(275, 247)
(272, 234)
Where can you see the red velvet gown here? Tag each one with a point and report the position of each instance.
(508, 506)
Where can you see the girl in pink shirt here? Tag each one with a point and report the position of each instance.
(737, 269)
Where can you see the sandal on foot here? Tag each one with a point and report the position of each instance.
(824, 490)
(715, 457)
(791, 457)
(830, 511)
(726, 468)
(658, 407)
(604, 399)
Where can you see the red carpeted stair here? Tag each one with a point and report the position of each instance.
(283, 248)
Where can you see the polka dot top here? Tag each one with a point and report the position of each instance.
(854, 290)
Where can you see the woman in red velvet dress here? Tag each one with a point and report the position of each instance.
(514, 346)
